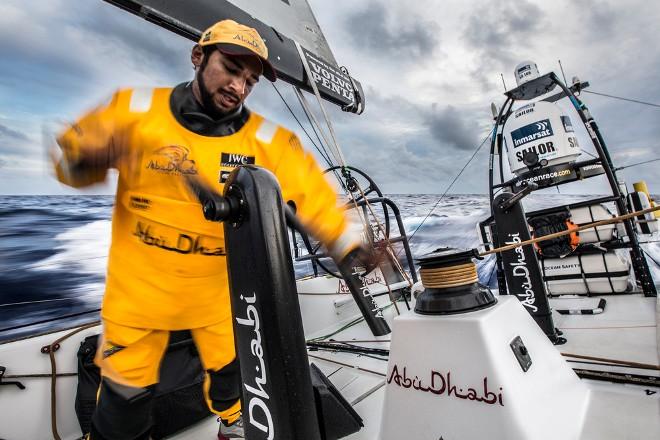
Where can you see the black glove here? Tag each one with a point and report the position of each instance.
(365, 258)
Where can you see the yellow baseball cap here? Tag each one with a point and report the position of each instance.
(233, 38)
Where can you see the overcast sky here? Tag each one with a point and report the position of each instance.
(430, 70)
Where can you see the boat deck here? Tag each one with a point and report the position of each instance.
(625, 331)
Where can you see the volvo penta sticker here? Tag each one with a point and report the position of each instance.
(531, 132)
(568, 125)
(329, 78)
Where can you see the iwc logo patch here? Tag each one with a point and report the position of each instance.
(232, 160)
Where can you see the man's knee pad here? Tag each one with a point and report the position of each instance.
(225, 386)
(122, 412)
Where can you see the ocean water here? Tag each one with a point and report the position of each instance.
(53, 250)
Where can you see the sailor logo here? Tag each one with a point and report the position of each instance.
(531, 132)
(529, 108)
(172, 159)
(233, 160)
(525, 71)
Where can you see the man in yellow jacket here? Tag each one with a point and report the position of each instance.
(167, 264)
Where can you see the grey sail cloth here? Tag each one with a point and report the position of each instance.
(189, 113)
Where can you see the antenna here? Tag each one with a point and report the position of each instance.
(503, 83)
(562, 71)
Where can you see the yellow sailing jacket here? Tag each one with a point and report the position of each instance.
(167, 265)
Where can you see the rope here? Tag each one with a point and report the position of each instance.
(452, 276)
(390, 251)
(339, 156)
(378, 373)
(570, 231)
(613, 361)
(308, 111)
(311, 124)
(51, 349)
(312, 83)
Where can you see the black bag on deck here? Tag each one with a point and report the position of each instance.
(179, 399)
(549, 224)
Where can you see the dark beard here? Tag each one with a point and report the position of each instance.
(207, 103)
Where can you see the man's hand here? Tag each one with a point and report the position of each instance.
(366, 257)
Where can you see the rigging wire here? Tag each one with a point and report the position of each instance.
(334, 148)
(635, 164)
(326, 158)
(316, 133)
(309, 120)
(650, 257)
(450, 185)
(51, 300)
(586, 152)
(622, 98)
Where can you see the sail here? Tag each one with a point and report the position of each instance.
(295, 18)
(281, 23)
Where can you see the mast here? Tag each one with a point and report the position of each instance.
(286, 18)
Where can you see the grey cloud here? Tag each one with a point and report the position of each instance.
(495, 29)
(373, 29)
(497, 26)
(600, 18)
(152, 46)
(11, 140)
(9, 134)
(449, 128)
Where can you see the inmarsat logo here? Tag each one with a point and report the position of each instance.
(531, 132)
(541, 126)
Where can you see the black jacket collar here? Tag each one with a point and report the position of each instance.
(189, 113)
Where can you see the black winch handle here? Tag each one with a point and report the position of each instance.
(216, 207)
(353, 273)
(351, 270)
(527, 189)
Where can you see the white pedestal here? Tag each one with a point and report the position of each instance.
(456, 377)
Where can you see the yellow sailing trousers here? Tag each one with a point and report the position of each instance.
(131, 356)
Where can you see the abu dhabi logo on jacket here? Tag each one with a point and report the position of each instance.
(531, 132)
(172, 159)
(232, 160)
(182, 243)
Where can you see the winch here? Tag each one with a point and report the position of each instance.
(450, 281)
